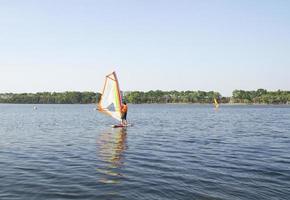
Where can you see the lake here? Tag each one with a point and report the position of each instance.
(171, 152)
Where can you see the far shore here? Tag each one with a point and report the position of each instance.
(239, 97)
(221, 104)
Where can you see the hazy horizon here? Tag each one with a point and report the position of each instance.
(167, 45)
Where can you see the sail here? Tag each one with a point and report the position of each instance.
(216, 104)
(110, 102)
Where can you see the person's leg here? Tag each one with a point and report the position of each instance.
(125, 119)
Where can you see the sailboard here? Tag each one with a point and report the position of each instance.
(121, 125)
(111, 99)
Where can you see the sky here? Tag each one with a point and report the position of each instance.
(70, 45)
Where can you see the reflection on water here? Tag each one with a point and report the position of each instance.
(110, 148)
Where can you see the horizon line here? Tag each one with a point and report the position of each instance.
(1, 93)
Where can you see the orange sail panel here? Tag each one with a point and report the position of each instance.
(110, 102)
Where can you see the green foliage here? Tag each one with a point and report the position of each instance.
(260, 96)
(50, 98)
(159, 96)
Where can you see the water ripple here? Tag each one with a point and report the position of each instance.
(171, 152)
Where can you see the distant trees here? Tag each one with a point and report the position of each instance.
(50, 98)
(159, 96)
(260, 96)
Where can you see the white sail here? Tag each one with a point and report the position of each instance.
(110, 102)
(216, 104)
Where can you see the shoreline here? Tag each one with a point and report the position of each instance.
(262, 96)
(221, 104)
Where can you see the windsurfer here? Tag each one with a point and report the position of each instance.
(124, 110)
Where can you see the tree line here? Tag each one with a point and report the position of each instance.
(50, 98)
(159, 96)
(260, 96)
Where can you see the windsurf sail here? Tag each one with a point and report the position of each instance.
(111, 101)
(216, 104)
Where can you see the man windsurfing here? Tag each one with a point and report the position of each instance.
(124, 110)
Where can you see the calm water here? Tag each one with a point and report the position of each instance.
(171, 152)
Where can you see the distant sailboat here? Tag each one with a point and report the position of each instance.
(216, 104)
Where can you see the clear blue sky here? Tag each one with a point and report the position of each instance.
(60, 45)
